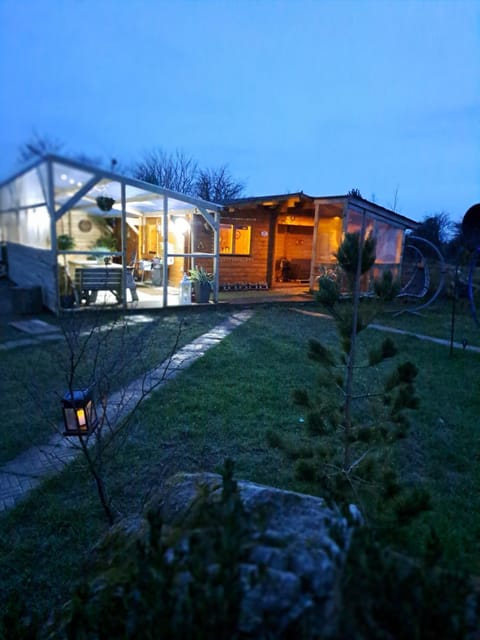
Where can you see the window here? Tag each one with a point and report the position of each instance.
(235, 239)
(389, 244)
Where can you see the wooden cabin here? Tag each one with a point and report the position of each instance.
(67, 224)
(292, 238)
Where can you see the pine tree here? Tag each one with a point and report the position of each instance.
(354, 427)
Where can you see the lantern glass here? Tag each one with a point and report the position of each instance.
(79, 413)
(91, 414)
(185, 290)
(70, 419)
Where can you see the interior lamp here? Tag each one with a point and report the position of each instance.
(185, 290)
(181, 225)
(79, 413)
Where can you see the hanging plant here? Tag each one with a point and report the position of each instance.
(65, 242)
(105, 203)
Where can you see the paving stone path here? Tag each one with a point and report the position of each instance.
(19, 476)
(421, 336)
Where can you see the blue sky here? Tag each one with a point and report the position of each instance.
(320, 96)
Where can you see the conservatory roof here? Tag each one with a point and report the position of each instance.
(81, 184)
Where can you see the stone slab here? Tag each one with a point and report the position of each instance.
(34, 326)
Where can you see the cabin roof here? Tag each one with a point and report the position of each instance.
(300, 196)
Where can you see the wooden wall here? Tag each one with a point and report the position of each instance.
(277, 232)
(252, 268)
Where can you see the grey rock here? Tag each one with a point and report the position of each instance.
(294, 563)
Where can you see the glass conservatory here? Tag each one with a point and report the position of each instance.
(88, 236)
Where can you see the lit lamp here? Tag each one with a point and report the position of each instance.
(182, 225)
(79, 413)
(185, 290)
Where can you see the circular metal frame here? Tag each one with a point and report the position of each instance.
(473, 264)
(405, 293)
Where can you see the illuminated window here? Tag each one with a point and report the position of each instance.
(226, 238)
(235, 239)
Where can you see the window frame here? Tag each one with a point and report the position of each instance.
(234, 230)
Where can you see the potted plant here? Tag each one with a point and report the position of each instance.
(65, 287)
(105, 203)
(65, 242)
(202, 283)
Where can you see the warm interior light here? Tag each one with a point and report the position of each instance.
(81, 418)
(291, 202)
(181, 225)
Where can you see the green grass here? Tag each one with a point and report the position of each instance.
(224, 405)
(35, 377)
(435, 320)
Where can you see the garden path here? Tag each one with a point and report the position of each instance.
(23, 474)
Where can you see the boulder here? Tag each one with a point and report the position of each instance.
(295, 551)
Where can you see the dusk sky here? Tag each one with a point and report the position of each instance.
(320, 96)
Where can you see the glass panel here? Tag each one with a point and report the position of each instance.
(389, 243)
(328, 239)
(90, 232)
(354, 223)
(67, 181)
(242, 240)
(226, 238)
(25, 218)
(24, 191)
(34, 227)
(70, 419)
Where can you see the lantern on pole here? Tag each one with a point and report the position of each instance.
(79, 413)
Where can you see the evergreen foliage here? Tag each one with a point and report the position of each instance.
(386, 287)
(354, 431)
(358, 426)
(347, 254)
(162, 589)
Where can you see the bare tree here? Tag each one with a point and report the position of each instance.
(40, 145)
(174, 171)
(121, 381)
(37, 146)
(217, 185)
(178, 172)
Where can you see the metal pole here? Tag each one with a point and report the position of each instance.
(165, 251)
(124, 245)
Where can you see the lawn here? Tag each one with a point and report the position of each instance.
(36, 377)
(223, 405)
(436, 320)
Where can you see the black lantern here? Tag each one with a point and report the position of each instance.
(79, 413)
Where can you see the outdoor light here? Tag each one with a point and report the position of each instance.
(185, 290)
(79, 413)
(181, 225)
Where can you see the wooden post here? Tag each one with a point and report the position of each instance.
(314, 245)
